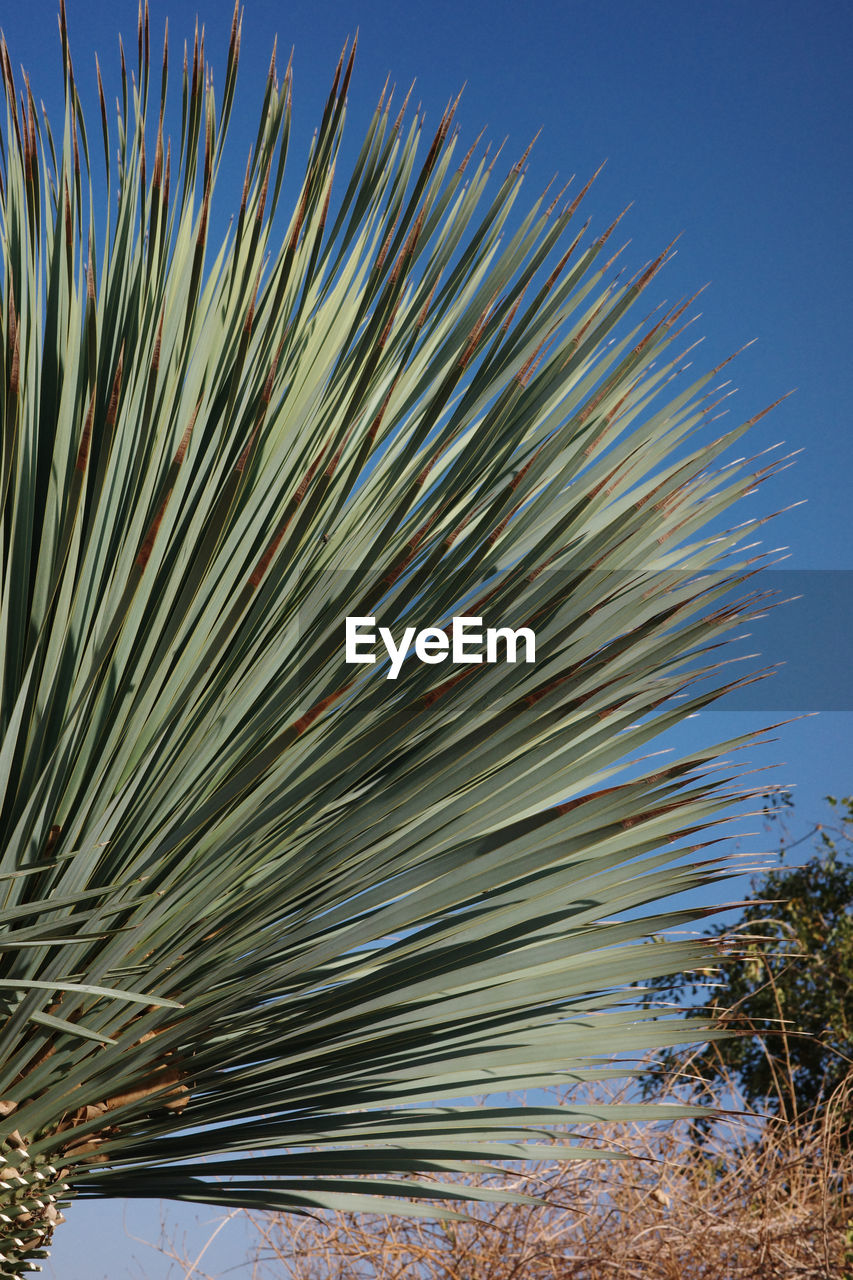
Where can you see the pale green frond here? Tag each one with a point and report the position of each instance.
(270, 919)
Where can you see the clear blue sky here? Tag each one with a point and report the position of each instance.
(723, 121)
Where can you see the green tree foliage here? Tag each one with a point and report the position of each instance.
(789, 969)
(269, 919)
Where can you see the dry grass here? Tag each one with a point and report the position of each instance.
(758, 1200)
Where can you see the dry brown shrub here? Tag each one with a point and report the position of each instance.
(757, 1199)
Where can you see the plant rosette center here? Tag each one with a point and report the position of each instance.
(31, 1193)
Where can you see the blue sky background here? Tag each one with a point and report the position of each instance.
(723, 121)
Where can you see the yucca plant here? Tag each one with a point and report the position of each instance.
(271, 919)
